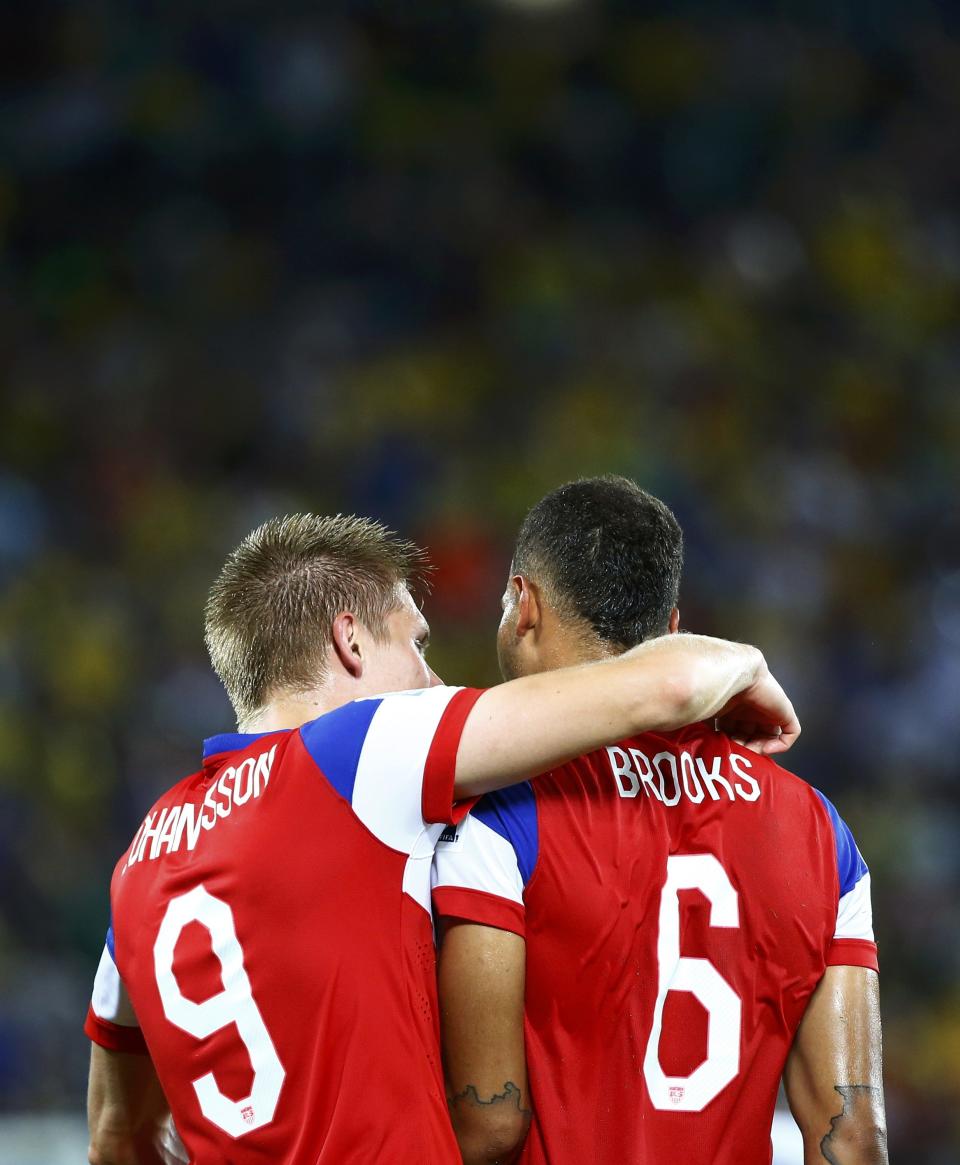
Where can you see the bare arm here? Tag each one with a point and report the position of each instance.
(833, 1074)
(528, 725)
(126, 1108)
(481, 977)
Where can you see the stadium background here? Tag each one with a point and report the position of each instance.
(424, 262)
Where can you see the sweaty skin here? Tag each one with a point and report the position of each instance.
(833, 1076)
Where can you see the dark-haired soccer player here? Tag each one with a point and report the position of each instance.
(690, 919)
(269, 970)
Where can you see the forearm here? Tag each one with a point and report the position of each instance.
(529, 725)
(683, 679)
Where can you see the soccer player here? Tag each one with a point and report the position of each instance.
(669, 923)
(269, 972)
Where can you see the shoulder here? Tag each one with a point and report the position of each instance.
(356, 718)
(390, 726)
(851, 868)
(511, 814)
(175, 795)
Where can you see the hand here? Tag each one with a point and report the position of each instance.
(761, 717)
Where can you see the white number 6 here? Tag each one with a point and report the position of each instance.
(233, 1005)
(702, 979)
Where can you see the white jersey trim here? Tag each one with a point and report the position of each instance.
(110, 1000)
(855, 912)
(478, 859)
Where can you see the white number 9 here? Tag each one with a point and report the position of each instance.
(233, 1005)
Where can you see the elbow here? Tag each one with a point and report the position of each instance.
(679, 697)
(702, 682)
(111, 1150)
(97, 1155)
(869, 1144)
(680, 694)
(864, 1145)
(492, 1138)
(509, 1134)
(879, 1151)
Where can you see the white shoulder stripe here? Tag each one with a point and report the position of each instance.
(479, 859)
(855, 912)
(110, 1000)
(389, 784)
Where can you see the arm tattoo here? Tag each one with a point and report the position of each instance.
(511, 1095)
(495, 1151)
(859, 1107)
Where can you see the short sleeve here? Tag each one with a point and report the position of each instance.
(853, 943)
(111, 1021)
(393, 758)
(482, 867)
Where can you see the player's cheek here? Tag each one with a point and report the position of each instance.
(422, 672)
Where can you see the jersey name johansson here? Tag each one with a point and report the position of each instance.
(165, 831)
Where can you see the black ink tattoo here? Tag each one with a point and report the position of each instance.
(503, 1144)
(859, 1105)
(511, 1094)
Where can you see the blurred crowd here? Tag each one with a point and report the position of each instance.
(425, 261)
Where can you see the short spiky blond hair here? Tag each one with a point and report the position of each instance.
(271, 608)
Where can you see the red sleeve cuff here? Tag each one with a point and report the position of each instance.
(853, 952)
(437, 802)
(114, 1037)
(478, 906)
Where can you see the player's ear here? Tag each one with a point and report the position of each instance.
(528, 604)
(674, 620)
(347, 647)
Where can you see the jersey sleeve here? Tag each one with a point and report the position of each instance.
(111, 1021)
(393, 758)
(853, 942)
(481, 868)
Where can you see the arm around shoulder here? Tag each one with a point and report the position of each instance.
(528, 725)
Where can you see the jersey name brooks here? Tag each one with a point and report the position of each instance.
(670, 774)
(165, 830)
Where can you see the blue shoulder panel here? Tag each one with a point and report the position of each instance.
(512, 813)
(111, 943)
(335, 742)
(232, 741)
(850, 865)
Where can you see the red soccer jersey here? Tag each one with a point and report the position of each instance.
(271, 939)
(680, 899)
